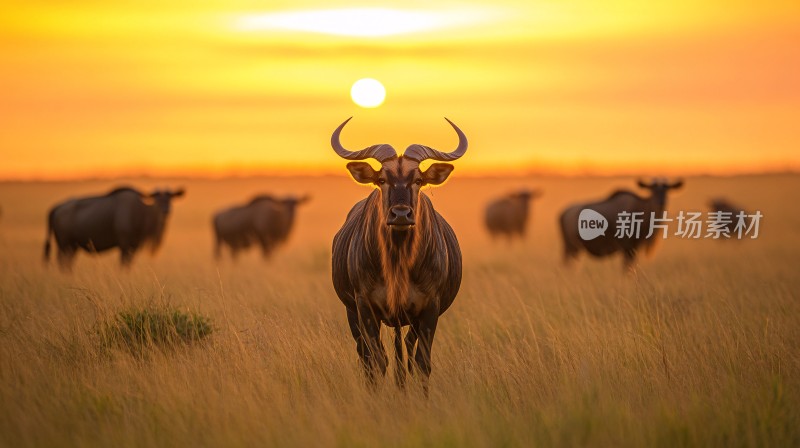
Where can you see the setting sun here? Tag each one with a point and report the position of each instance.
(368, 92)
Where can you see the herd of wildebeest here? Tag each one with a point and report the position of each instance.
(395, 261)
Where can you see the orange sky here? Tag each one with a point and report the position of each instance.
(92, 88)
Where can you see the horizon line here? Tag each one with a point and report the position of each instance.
(325, 174)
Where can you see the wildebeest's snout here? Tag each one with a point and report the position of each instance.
(401, 215)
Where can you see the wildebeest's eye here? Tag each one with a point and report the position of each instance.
(418, 181)
(381, 181)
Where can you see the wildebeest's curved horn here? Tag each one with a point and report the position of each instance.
(421, 152)
(677, 184)
(643, 184)
(380, 152)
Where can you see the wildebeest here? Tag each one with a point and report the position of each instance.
(265, 220)
(396, 261)
(610, 208)
(731, 210)
(508, 215)
(124, 218)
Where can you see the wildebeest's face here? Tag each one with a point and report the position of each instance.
(292, 202)
(660, 187)
(525, 195)
(400, 180)
(163, 198)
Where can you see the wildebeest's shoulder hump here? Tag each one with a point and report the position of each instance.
(260, 198)
(125, 189)
(358, 207)
(619, 193)
(424, 199)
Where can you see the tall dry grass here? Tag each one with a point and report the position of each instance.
(700, 348)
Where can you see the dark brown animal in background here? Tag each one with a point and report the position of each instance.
(508, 216)
(609, 208)
(124, 218)
(732, 210)
(396, 261)
(265, 221)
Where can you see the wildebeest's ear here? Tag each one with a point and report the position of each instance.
(362, 172)
(178, 193)
(677, 184)
(437, 173)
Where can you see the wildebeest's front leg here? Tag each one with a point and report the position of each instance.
(66, 257)
(366, 331)
(629, 260)
(401, 367)
(267, 246)
(411, 342)
(425, 329)
(126, 255)
(217, 247)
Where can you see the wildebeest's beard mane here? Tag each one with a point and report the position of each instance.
(653, 204)
(396, 252)
(657, 206)
(155, 222)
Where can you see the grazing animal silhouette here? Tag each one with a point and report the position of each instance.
(123, 218)
(508, 216)
(265, 220)
(610, 208)
(732, 210)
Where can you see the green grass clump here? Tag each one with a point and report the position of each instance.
(163, 327)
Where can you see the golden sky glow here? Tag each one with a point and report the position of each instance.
(362, 22)
(93, 88)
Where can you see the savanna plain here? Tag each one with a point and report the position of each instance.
(700, 347)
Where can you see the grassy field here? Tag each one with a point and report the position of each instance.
(700, 348)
